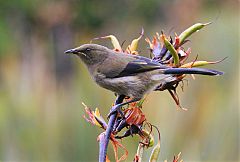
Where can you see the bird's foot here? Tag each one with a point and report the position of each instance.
(116, 109)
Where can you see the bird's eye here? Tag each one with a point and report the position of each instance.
(88, 49)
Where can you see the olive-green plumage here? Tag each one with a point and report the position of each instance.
(128, 75)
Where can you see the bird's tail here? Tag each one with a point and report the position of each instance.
(200, 71)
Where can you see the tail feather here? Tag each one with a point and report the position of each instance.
(200, 71)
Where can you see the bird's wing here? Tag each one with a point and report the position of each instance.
(137, 65)
(128, 65)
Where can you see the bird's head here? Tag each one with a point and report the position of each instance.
(90, 53)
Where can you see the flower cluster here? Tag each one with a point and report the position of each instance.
(164, 50)
(170, 52)
(133, 121)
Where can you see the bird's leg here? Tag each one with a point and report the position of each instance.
(116, 108)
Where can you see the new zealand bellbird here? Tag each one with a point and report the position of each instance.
(129, 75)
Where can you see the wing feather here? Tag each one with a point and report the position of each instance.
(139, 65)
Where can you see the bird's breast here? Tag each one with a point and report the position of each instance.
(131, 86)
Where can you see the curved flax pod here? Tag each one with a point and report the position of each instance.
(172, 50)
(200, 63)
(155, 153)
(156, 150)
(189, 31)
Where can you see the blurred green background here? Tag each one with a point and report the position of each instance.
(41, 89)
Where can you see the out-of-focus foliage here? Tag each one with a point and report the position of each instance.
(41, 89)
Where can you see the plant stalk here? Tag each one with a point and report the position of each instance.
(112, 119)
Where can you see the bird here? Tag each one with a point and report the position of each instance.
(129, 75)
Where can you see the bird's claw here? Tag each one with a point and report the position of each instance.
(115, 109)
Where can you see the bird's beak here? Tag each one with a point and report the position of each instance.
(73, 51)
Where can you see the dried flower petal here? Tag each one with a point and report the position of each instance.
(176, 158)
(132, 48)
(114, 41)
(107, 159)
(177, 41)
(134, 116)
(94, 117)
(154, 46)
(117, 144)
(176, 99)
